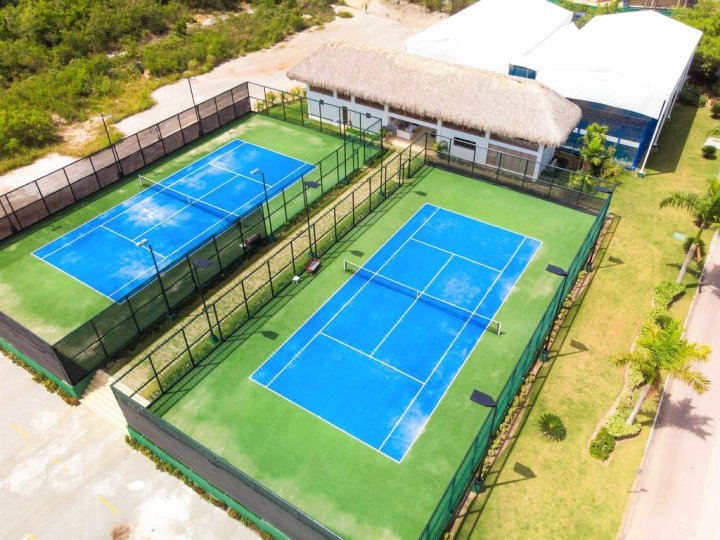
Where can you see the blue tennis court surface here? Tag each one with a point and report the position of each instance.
(378, 356)
(175, 215)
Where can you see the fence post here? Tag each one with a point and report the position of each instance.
(100, 341)
(353, 207)
(302, 113)
(42, 197)
(217, 322)
(132, 314)
(472, 165)
(292, 256)
(217, 252)
(187, 346)
(282, 99)
(335, 222)
(247, 307)
(155, 373)
(67, 179)
(497, 172)
(270, 276)
(140, 149)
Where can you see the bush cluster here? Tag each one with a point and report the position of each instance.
(50, 385)
(666, 292)
(602, 445)
(692, 95)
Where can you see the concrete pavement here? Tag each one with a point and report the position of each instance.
(66, 473)
(677, 492)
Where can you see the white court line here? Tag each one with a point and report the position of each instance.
(331, 297)
(447, 350)
(75, 278)
(328, 422)
(524, 236)
(291, 173)
(455, 254)
(470, 353)
(189, 204)
(128, 208)
(370, 356)
(412, 304)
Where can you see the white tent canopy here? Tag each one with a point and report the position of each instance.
(489, 34)
(633, 61)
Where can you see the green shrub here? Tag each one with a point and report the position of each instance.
(602, 445)
(617, 427)
(715, 109)
(709, 151)
(692, 95)
(667, 291)
(50, 385)
(552, 426)
(344, 14)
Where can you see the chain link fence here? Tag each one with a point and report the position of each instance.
(145, 383)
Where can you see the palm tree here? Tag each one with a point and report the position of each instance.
(705, 210)
(662, 348)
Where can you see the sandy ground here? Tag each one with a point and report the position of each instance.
(66, 473)
(385, 24)
(677, 492)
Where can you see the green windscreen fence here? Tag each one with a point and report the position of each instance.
(476, 452)
(97, 340)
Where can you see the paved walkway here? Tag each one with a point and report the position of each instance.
(677, 492)
(66, 473)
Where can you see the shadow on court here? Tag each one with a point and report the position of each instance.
(257, 324)
(470, 520)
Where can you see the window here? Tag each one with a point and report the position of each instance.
(323, 91)
(464, 143)
(369, 103)
(345, 97)
(519, 71)
(458, 127)
(414, 115)
(514, 141)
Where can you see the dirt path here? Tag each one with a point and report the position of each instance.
(385, 24)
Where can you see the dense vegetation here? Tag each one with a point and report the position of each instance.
(64, 60)
(704, 16)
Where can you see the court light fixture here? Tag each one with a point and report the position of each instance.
(481, 398)
(556, 270)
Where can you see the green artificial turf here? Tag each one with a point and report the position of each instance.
(349, 487)
(51, 303)
(569, 494)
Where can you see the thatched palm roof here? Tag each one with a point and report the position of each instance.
(469, 97)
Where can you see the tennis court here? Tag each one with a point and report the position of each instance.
(113, 253)
(376, 359)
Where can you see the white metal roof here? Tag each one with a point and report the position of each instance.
(632, 61)
(490, 33)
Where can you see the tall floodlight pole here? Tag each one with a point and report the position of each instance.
(258, 172)
(142, 243)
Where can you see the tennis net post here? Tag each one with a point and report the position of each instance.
(491, 325)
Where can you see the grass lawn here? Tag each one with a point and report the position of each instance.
(52, 303)
(339, 481)
(569, 494)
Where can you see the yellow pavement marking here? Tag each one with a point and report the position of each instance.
(19, 430)
(107, 504)
(56, 461)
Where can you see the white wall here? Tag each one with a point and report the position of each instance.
(332, 111)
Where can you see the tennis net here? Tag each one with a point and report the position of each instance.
(463, 314)
(187, 199)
